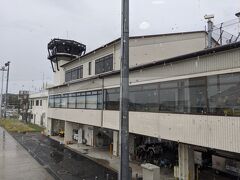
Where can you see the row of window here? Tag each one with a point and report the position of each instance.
(213, 95)
(102, 65)
(74, 74)
(83, 100)
(35, 103)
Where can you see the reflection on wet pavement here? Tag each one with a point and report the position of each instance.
(16, 163)
(62, 162)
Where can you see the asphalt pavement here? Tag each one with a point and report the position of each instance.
(61, 162)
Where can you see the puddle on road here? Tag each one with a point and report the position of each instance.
(63, 162)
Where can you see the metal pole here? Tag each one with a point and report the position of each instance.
(6, 95)
(210, 30)
(124, 88)
(1, 91)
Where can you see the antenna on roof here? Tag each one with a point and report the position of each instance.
(210, 28)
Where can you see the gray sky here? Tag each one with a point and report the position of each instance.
(26, 26)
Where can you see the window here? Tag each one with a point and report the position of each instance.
(40, 102)
(197, 95)
(224, 94)
(89, 68)
(112, 99)
(74, 74)
(168, 96)
(144, 98)
(104, 64)
(30, 104)
(57, 101)
(72, 100)
(91, 100)
(37, 102)
(68, 76)
(64, 101)
(81, 100)
(99, 99)
(51, 101)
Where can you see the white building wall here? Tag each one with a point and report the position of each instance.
(145, 50)
(39, 111)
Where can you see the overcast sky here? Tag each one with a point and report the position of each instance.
(26, 26)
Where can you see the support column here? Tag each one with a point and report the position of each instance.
(186, 162)
(115, 143)
(68, 132)
(131, 146)
(48, 130)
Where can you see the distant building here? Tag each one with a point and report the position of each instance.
(38, 104)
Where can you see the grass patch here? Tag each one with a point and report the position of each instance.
(13, 125)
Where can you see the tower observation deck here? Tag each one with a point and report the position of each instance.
(63, 48)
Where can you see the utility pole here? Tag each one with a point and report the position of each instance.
(6, 95)
(2, 69)
(124, 88)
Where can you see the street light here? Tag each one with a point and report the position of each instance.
(6, 95)
(238, 14)
(2, 69)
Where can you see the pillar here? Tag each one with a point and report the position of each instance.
(186, 162)
(115, 143)
(68, 132)
(48, 130)
(131, 146)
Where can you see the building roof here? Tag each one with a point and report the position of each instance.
(132, 37)
(161, 62)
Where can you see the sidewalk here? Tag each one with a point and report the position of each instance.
(103, 157)
(17, 163)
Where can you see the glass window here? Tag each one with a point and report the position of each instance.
(40, 102)
(168, 96)
(224, 94)
(150, 98)
(89, 68)
(80, 72)
(91, 100)
(68, 76)
(104, 64)
(81, 100)
(197, 95)
(72, 100)
(112, 99)
(37, 102)
(57, 101)
(75, 74)
(99, 100)
(51, 101)
(64, 101)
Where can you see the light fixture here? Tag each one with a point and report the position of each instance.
(237, 14)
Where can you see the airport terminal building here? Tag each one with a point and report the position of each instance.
(180, 92)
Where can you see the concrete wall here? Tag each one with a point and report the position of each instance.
(217, 132)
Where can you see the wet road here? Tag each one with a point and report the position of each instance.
(17, 163)
(60, 161)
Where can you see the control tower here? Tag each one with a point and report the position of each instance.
(62, 51)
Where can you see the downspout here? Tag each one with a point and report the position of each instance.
(102, 102)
